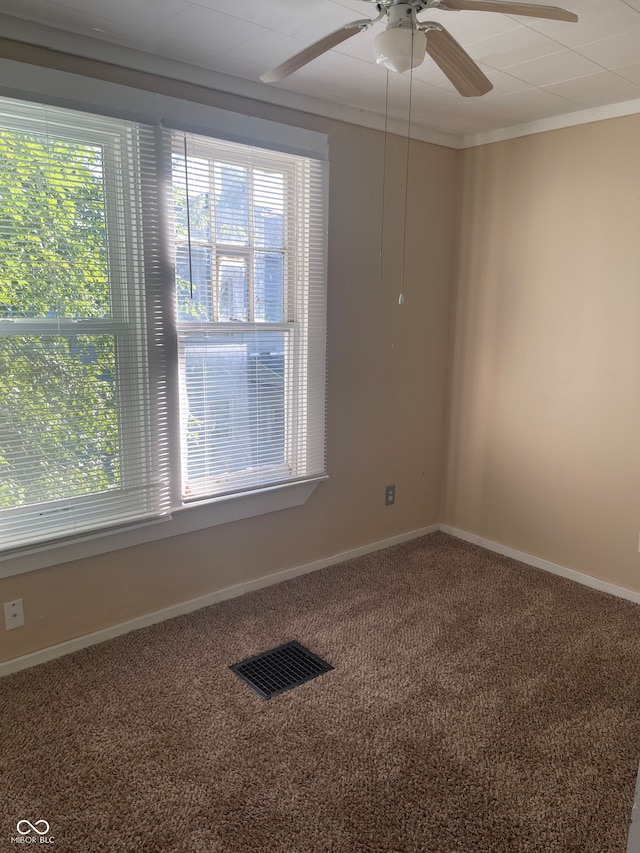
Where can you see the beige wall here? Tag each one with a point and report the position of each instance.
(387, 373)
(544, 443)
(542, 371)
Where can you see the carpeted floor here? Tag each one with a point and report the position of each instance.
(476, 706)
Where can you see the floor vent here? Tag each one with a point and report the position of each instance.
(280, 669)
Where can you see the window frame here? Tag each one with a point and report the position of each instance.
(124, 324)
(293, 303)
(103, 98)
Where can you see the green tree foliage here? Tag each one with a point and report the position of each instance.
(52, 232)
(59, 430)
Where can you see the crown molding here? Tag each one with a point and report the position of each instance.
(588, 116)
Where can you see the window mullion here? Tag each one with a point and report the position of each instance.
(163, 304)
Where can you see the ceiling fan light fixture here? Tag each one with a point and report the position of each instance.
(400, 47)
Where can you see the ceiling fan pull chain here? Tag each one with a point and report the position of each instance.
(384, 176)
(406, 184)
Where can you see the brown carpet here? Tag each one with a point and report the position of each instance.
(477, 706)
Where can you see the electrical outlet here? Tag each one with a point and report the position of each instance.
(13, 614)
(389, 495)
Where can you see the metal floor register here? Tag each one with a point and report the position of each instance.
(280, 669)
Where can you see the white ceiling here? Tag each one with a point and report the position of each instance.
(539, 69)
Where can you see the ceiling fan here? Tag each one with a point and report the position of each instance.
(405, 40)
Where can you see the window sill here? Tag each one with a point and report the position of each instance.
(185, 520)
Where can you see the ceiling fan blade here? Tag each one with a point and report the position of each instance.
(456, 63)
(553, 13)
(314, 50)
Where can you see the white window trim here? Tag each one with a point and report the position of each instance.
(186, 520)
(61, 88)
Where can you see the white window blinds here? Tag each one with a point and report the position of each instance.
(162, 321)
(81, 389)
(249, 244)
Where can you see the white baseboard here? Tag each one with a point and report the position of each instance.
(51, 652)
(546, 565)
(69, 646)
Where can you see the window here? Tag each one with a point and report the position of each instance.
(159, 347)
(243, 243)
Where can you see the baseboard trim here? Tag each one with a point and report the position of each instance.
(546, 565)
(83, 642)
